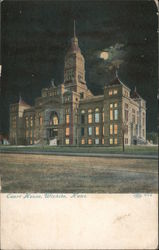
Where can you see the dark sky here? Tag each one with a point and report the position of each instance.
(36, 35)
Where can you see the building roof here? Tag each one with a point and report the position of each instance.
(117, 81)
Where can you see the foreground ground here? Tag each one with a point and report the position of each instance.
(68, 174)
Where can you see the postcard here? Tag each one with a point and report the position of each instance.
(78, 124)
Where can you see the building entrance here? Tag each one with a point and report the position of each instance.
(53, 133)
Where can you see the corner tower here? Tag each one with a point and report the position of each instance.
(74, 67)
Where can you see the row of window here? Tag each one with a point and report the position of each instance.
(113, 130)
(13, 121)
(96, 141)
(135, 115)
(30, 120)
(29, 133)
(113, 92)
(49, 93)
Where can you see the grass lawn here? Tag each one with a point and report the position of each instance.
(144, 150)
(72, 174)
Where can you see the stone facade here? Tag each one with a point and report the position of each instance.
(69, 114)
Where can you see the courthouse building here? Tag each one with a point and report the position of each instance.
(69, 114)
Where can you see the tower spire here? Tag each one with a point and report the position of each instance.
(74, 30)
(20, 97)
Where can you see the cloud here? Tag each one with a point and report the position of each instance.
(116, 56)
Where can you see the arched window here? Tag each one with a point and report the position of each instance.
(89, 115)
(97, 115)
(54, 119)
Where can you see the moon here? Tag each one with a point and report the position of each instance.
(104, 55)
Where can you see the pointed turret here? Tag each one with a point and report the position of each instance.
(21, 101)
(135, 94)
(74, 29)
(20, 98)
(74, 42)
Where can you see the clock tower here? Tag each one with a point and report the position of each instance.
(74, 67)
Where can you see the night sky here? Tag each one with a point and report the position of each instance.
(36, 35)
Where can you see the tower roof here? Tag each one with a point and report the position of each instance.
(74, 48)
(117, 81)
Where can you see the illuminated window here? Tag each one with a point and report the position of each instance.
(97, 130)
(115, 105)
(103, 115)
(67, 132)
(67, 118)
(111, 141)
(83, 141)
(103, 130)
(115, 129)
(111, 105)
(31, 141)
(97, 110)
(111, 111)
(111, 129)
(31, 121)
(97, 141)
(83, 116)
(97, 115)
(115, 114)
(55, 120)
(31, 134)
(102, 140)
(126, 93)
(89, 141)
(115, 141)
(110, 92)
(89, 130)
(115, 91)
(90, 116)
(111, 114)
(67, 141)
(26, 122)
